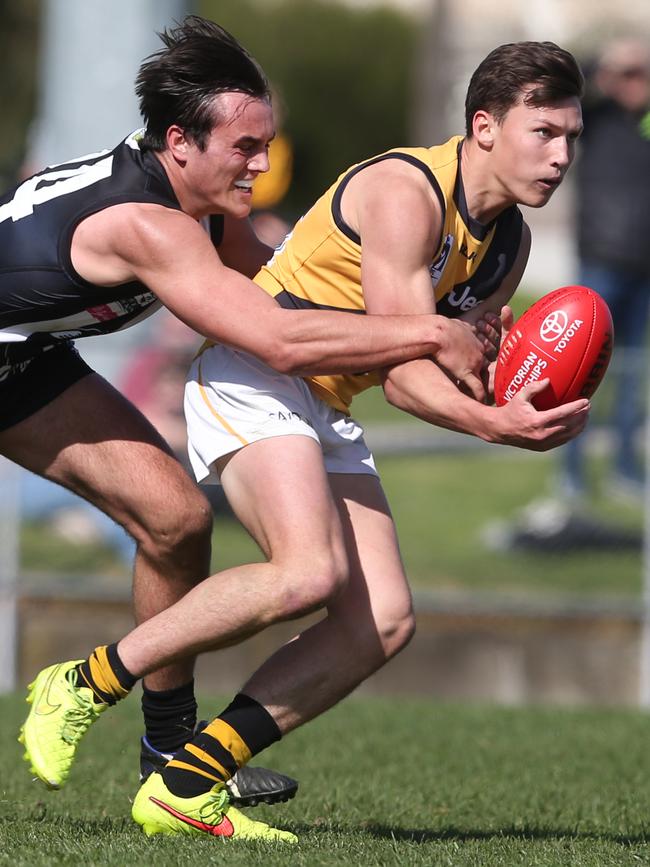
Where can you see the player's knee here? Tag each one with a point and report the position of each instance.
(392, 631)
(331, 576)
(315, 583)
(373, 641)
(183, 526)
(395, 631)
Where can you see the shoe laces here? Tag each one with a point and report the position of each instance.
(76, 720)
(215, 806)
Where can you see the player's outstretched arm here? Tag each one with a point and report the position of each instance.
(461, 347)
(171, 254)
(422, 389)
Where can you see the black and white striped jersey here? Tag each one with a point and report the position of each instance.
(42, 298)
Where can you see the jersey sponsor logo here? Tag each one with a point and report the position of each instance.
(102, 312)
(138, 302)
(465, 252)
(126, 307)
(465, 301)
(437, 267)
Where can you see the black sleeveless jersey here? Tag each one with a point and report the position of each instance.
(43, 300)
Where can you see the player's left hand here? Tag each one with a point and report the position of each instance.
(507, 319)
(494, 329)
(488, 331)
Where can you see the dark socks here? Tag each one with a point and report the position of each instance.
(169, 717)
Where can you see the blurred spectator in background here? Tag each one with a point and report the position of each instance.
(270, 227)
(613, 232)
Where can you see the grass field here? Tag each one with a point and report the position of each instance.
(382, 783)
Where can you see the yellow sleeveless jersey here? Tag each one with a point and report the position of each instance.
(319, 264)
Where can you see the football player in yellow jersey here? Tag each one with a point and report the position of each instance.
(414, 232)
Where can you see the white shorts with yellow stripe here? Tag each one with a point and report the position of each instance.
(233, 399)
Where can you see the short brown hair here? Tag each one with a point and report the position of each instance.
(499, 80)
(179, 83)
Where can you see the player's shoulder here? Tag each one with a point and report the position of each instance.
(431, 170)
(399, 174)
(396, 196)
(138, 230)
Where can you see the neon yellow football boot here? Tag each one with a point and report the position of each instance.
(60, 715)
(158, 811)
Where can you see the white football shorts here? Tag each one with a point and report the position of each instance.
(233, 399)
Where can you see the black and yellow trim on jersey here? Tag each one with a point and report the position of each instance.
(319, 264)
(407, 158)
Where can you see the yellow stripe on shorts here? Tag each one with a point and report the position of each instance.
(222, 421)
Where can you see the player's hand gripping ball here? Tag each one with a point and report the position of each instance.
(567, 337)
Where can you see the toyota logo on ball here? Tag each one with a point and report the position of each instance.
(553, 326)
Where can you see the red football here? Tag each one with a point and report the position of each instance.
(567, 337)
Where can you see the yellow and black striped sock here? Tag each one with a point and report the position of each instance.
(105, 674)
(244, 729)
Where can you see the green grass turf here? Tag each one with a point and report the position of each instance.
(443, 505)
(382, 783)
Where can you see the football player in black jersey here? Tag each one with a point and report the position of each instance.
(91, 246)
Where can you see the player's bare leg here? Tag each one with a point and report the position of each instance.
(367, 623)
(294, 519)
(96, 443)
(368, 620)
(302, 574)
(289, 509)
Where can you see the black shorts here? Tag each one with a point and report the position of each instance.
(28, 385)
